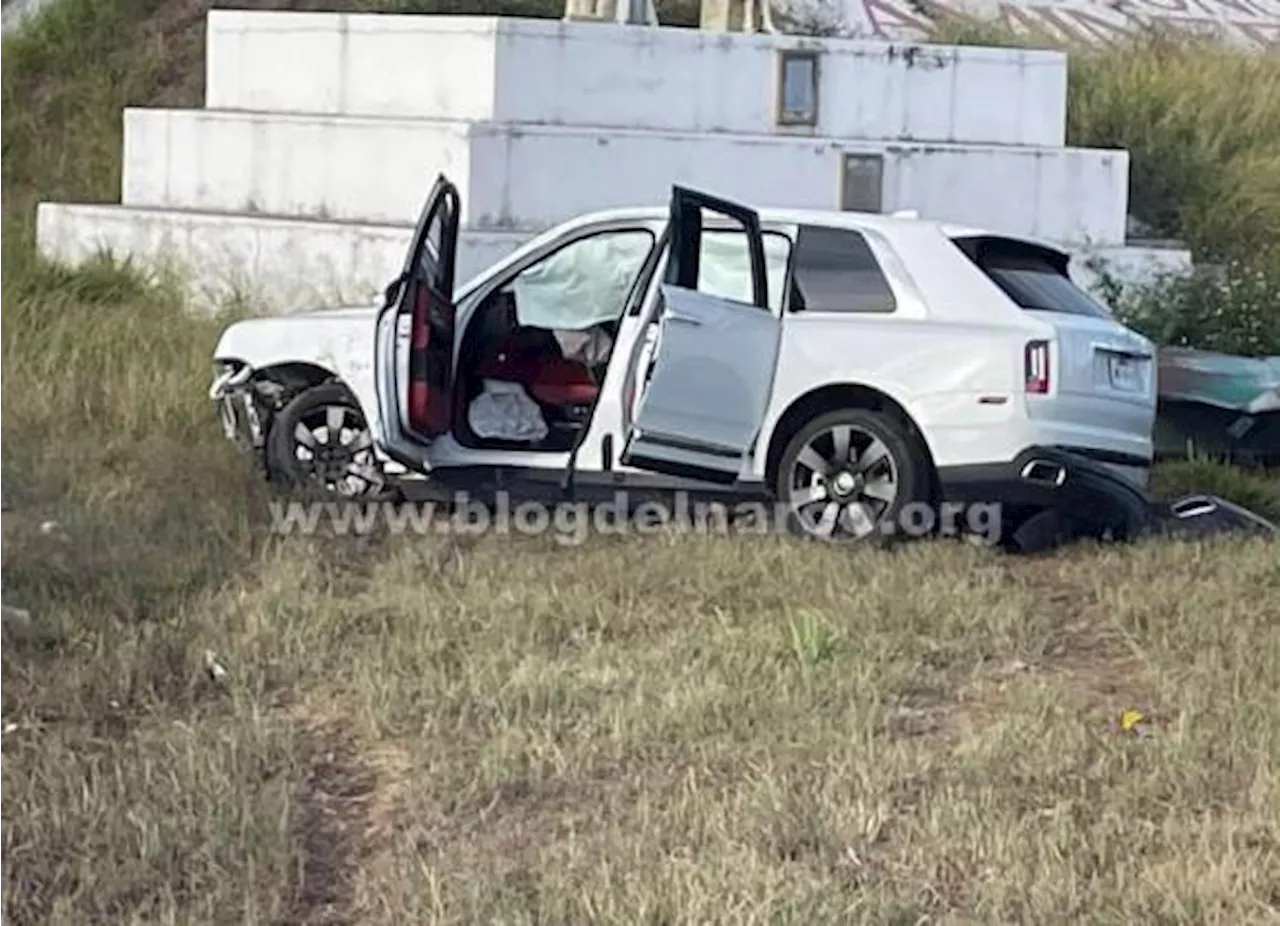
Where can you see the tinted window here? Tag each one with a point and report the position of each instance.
(1032, 277)
(835, 271)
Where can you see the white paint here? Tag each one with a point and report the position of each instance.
(280, 265)
(511, 177)
(601, 74)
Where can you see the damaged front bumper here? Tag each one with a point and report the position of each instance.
(236, 402)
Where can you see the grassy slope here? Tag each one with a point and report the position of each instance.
(640, 730)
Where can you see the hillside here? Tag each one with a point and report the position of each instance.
(639, 729)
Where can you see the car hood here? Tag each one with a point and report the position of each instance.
(329, 337)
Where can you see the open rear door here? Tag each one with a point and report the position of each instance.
(703, 405)
(413, 355)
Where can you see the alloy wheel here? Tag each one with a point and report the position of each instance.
(333, 446)
(842, 483)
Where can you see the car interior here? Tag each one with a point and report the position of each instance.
(562, 386)
(535, 352)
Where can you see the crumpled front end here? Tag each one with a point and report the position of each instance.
(239, 406)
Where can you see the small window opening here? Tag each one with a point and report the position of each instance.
(797, 88)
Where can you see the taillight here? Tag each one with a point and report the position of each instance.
(1037, 367)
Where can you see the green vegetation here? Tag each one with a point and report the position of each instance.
(1203, 132)
(656, 729)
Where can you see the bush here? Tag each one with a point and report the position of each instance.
(1232, 308)
(1202, 128)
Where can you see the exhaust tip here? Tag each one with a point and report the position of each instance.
(1193, 507)
(1045, 472)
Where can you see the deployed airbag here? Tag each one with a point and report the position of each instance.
(503, 411)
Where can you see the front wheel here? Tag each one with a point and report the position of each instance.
(321, 441)
(847, 475)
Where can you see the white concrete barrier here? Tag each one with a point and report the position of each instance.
(276, 265)
(281, 265)
(531, 177)
(602, 74)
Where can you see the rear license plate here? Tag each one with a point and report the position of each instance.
(1125, 374)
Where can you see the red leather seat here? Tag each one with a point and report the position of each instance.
(564, 382)
(549, 379)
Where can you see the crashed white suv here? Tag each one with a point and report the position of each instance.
(843, 364)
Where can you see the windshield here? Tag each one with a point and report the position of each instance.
(1033, 277)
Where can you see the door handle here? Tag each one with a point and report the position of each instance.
(685, 320)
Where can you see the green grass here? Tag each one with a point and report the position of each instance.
(652, 729)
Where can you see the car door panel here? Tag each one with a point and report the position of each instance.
(413, 351)
(711, 377)
(713, 364)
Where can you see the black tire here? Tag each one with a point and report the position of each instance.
(320, 476)
(854, 510)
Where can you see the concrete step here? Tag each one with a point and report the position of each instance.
(601, 74)
(284, 265)
(277, 265)
(529, 177)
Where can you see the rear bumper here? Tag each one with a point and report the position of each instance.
(1088, 490)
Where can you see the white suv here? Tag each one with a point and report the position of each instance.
(844, 364)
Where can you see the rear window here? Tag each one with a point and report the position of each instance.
(1033, 277)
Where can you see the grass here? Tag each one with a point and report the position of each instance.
(656, 729)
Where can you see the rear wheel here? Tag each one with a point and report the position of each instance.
(847, 475)
(321, 441)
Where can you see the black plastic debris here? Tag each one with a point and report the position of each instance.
(1087, 500)
(1201, 514)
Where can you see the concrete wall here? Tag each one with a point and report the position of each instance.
(285, 265)
(298, 186)
(515, 177)
(516, 70)
(278, 265)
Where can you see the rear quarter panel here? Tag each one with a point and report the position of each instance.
(936, 370)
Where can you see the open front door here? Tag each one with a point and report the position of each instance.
(413, 355)
(703, 405)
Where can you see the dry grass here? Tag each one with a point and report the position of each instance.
(642, 730)
(656, 730)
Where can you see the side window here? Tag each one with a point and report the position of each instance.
(725, 265)
(835, 271)
(584, 283)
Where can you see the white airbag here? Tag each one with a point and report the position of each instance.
(504, 412)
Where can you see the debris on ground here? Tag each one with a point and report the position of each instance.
(1132, 722)
(1219, 404)
(17, 620)
(215, 669)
